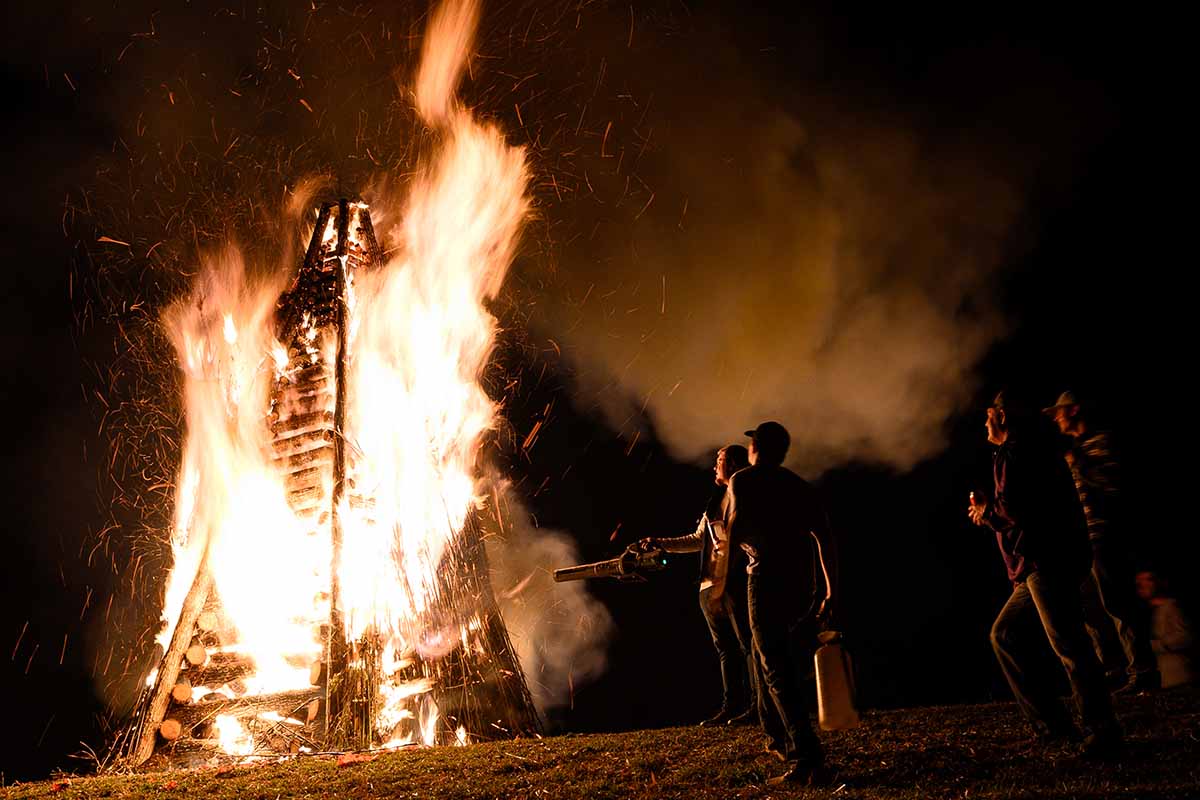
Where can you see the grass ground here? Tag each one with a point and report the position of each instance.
(943, 752)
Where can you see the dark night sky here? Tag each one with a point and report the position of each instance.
(1092, 292)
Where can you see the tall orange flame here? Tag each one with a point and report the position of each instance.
(418, 337)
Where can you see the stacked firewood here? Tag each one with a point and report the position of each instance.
(210, 690)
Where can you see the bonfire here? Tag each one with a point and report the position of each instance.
(330, 590)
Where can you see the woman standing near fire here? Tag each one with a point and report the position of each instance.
(722, 592)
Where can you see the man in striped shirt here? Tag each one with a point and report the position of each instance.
(1110, 586)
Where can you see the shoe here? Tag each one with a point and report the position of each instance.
(747, 717)
(1103, 746)
(720, 718)
(806, 775)
(775, 749)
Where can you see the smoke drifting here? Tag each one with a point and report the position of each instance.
(821, 282)
(559, 630)
(793, 248)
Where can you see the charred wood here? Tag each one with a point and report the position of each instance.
(286, 704)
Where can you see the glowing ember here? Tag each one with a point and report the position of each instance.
(234, 739)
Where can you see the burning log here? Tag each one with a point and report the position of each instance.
(321, 457)
(285, 704)
(302, 443)
(316, 673)
(182, 692)
(168, 672)
(220, 669)
(196, 654)
(170, 730)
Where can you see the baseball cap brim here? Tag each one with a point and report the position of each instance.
(750, 434)
(1056, 406)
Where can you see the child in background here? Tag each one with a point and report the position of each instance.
(1171, 633)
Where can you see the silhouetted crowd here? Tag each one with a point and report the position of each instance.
(1062, 528)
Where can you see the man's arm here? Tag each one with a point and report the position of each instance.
(690, 543)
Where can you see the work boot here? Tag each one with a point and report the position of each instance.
(806, 775)
(747, 717)
(720, 718)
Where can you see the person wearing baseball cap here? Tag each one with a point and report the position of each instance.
(1108, 588)
(1042, 537)
(779, 521)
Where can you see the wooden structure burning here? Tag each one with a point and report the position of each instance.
(198, 705)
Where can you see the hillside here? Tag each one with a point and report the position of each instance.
(943, 752)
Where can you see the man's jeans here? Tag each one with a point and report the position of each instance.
(1050, 605)
(783, 648)
(732, 643)
(1109, 594)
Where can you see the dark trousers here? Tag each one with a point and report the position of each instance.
(783, 648)
(1109, 595)
(731, 639)
(1050, 605)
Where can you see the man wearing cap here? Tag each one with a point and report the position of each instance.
(778, 520)
(1110, 586)
(1042, 536)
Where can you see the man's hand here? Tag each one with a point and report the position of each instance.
(644, 545)
(977, 511)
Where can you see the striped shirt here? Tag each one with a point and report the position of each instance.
(1097, 480)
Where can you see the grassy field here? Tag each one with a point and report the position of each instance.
(943, 752)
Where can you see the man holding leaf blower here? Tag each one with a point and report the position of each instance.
(722, 593)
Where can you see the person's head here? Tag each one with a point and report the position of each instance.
(729, 460)
(1008, 413)
(769, 444)
(1066, 414)
(1149, 585)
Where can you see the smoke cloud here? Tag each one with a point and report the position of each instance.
(560, 631)
(775, 247)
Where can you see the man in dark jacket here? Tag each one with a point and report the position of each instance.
(1042, 536)
(778, 520)
(722, 592)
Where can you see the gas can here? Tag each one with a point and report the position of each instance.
(835, 684)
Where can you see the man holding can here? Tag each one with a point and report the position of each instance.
(778, 520)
